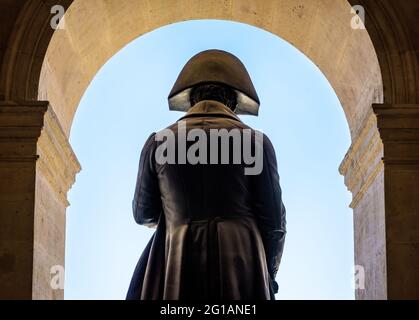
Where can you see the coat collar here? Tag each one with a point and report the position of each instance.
(210, 108)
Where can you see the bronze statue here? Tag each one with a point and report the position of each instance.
(220, 225)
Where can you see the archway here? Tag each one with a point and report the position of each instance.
(384, 189)
(321, 30)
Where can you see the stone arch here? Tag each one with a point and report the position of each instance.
(57, 66)
(346, 56)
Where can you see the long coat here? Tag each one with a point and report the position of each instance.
(220, 233)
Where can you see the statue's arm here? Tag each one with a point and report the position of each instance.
(269, 208)
(146, 204)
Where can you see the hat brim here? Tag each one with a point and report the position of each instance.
(245, 105)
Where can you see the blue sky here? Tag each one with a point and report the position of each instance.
(127, 100)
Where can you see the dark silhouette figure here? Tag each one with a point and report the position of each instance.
(219, 231)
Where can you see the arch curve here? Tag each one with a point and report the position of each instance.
(320, 29)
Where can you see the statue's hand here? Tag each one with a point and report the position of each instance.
(274, 286)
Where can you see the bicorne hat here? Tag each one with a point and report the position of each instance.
(215, 66)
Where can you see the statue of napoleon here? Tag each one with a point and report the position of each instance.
(220, 224)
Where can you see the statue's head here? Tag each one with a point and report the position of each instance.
(215, 75)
